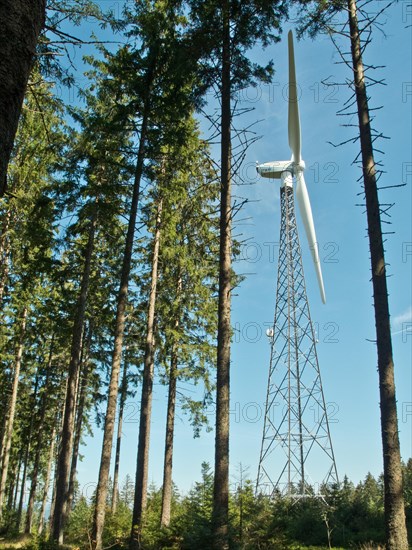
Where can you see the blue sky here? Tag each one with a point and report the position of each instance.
(348, 361)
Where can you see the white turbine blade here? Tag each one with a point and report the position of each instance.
(293, 113)
(306, 214)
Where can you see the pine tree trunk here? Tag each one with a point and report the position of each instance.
(66, 441)
(47, 483)
(23, 483)
(170, 425)
(28, 441)
(101, 492)
(39, 441)
(123, 395)
(142, 466)
(59, 423)
(396, 535)
(81, 400)
(4, 255)
(21, 22)
(221, 479)
(16, 487)
(13, 484)
(12, 410)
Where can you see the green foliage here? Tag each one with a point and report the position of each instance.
(79, 525)
(117, 526)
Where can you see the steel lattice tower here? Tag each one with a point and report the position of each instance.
(296, 443)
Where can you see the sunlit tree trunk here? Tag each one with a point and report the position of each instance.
(110, 417)
(81, 400)
(123, 395)
(12, 409)
(221, 479)
(396, 534)
(39, 450)
(50, 461)
(66, 442)
(167, 489)
(14, 493)
(142, 466)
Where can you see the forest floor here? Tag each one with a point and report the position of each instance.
(7, 542)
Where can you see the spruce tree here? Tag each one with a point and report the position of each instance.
(222, 33)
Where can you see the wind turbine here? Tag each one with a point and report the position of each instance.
(286, 169)
(296, 450)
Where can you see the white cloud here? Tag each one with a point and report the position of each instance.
(404, 317)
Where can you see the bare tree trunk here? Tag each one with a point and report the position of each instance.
(12, 409)
(59, 423)
(221, 479)
(82, 390)
(101, 492)
(3, 438)
(39, 441)
(4, 255)
(66, 442)
(23, 483)
(16, 487)
(123, 395)
(396, 534)
(47, 483)
(28, 441)
(21, 21)
(170, 425)
(142, 466)
(12, 485)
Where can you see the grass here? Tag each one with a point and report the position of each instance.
(15, 542)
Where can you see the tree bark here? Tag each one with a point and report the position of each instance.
(123, 395)
(142, 466)
(4, 256)
(12, 410)
(14, 483)
(66, 442)
(101, 492)
(16, 487)
(59, 424)
(221, 479)
(81, 400)
(396, 534)
(168, 460)
(22, 22)
(28, 441)
(167, 490)
(23, 481)
(47, 482)
(39, 441)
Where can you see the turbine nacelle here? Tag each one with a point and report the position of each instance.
(274, 170)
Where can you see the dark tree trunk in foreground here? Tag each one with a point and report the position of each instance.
(142, 467)
(396, 535)
(12, 410)
(123, 395)
(66, 441)
(221, 479)
(101, 492)
(21, 23)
